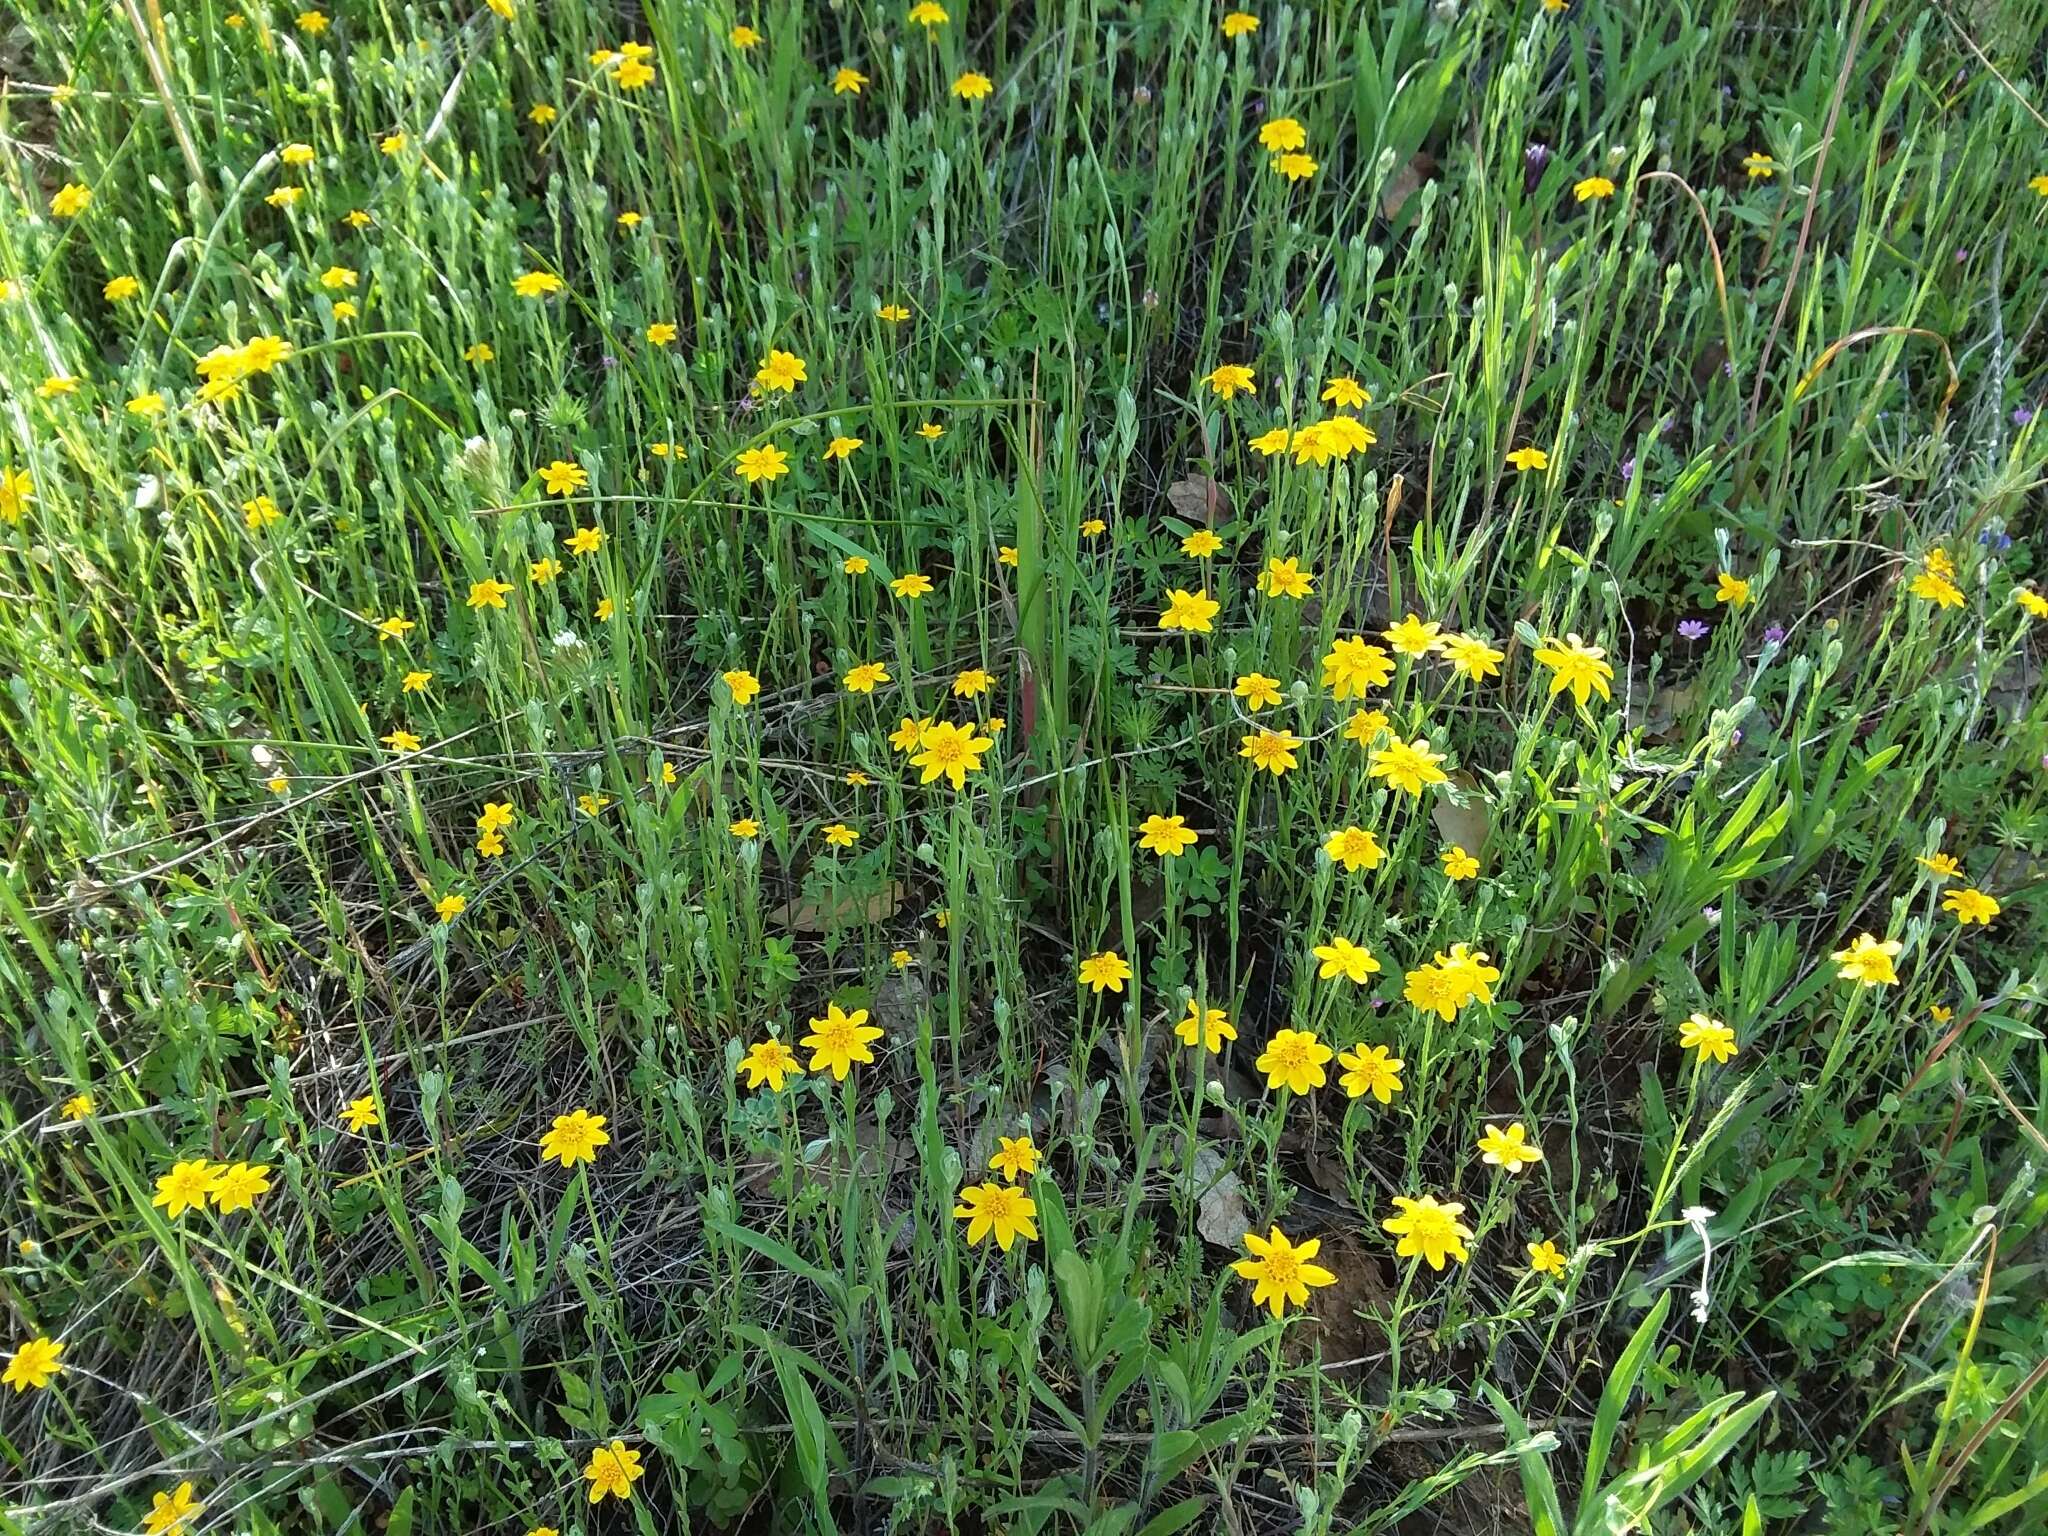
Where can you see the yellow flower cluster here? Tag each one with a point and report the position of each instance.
(225, 369)
(196, 1183)
(1286, 144)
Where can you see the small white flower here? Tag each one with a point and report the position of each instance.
(1697, 1217)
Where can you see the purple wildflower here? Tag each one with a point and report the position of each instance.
(1692, 629)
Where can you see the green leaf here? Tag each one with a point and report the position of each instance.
(1546, 1513)
(1999, 1508)
(1081, 1299)
(781, 1349)
(1175, 1517)
(1113, 1522)
(817, 1448)
(1051, 1399)
(827, 535)
(1177, 1450)
(1035, 1509)
(780, 1254)
(1621, 1382)
(1696, 1463)
(1132, 1366)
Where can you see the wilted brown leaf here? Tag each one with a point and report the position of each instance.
(1406, 181)
(1200, 500)
(847, 907)
(1465, 825)
(1220, 1214)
